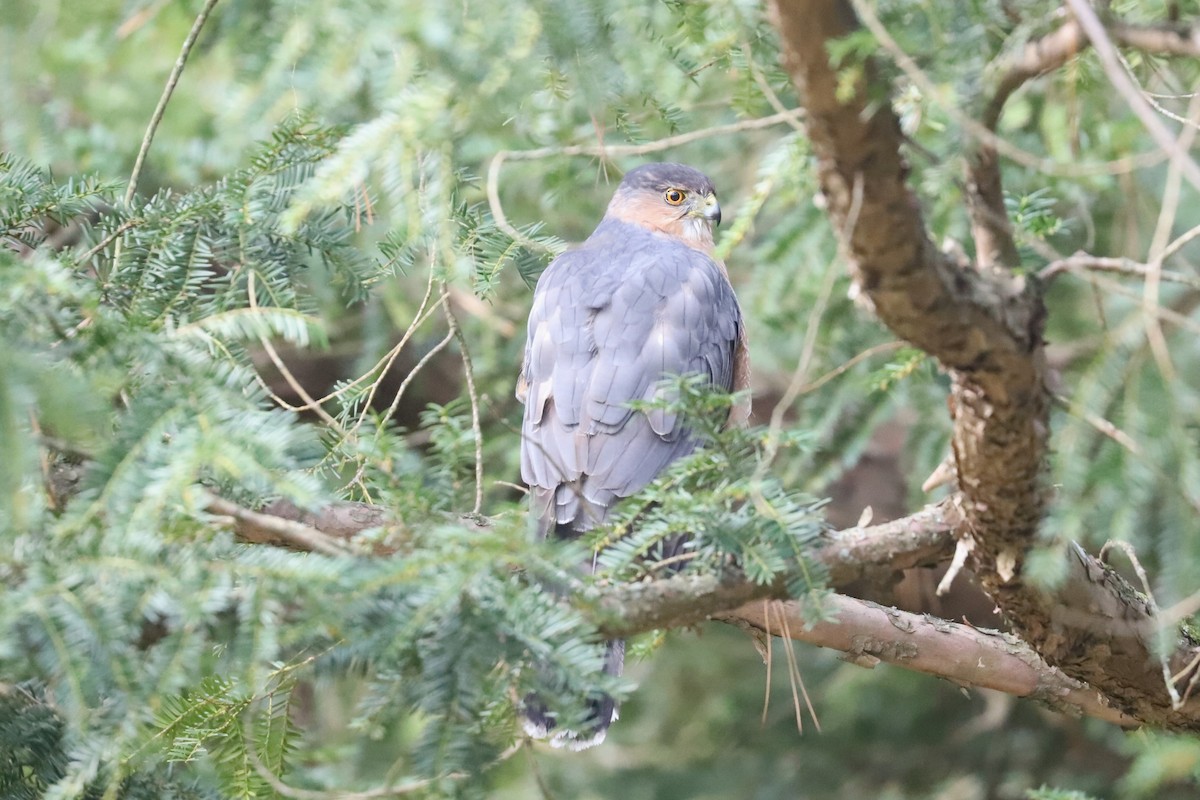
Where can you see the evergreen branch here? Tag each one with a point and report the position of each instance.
(168, 90)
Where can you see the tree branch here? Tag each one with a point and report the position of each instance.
(990, 226)
(865, 631)
(985, 327)
(991, 229)
(272, 527)
(962, 654)
(1162, 40)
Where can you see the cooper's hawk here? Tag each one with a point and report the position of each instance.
(641, 300)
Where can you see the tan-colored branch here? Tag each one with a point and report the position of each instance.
(921, 539)
(869, 633)
(267, 528)
(1162, 40)
(1084, 262)
(863, 630)
(984, 326)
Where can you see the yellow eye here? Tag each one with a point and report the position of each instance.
(674, 196)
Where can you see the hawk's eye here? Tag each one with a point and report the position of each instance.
(674, 196)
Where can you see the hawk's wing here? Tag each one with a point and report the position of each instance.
(609, 321)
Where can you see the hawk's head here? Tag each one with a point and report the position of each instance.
(671, 198)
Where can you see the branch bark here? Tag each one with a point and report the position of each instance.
(868, 633)
(985, 327)
(865, 631)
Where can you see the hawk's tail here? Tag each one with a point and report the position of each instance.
(541, 723)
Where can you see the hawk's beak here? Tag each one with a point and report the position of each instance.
(712, 209)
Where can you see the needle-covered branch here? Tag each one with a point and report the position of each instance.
(866, 632)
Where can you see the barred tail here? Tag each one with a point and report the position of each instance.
(540, 722)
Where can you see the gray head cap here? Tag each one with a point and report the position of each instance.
(662, 176)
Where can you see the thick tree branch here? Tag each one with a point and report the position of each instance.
(963, 654)
(1163, 40)
(865, 631)
(984, 326)
(920, 539)
(924, 538)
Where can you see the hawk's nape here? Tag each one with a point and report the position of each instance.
(641, 300)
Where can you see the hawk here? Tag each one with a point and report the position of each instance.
(642, 299)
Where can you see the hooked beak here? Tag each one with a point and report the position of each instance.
(712, 209)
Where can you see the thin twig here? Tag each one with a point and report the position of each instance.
(793, 115)
(265, 528)
(768, 657)
(1124, 266)
(419, 318)
(1101, 424)
(272, 354)
(1175, 246)
(797, 382)
(838, 371)
(107, 240)
(1110, 61)
(469, 374)
(1158, 244)
(168, 90)
(608, 151)
(420, 365)
(1170, 315)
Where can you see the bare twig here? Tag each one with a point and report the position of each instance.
(1082, 262)
(168, 90)
(609, 151)
(469, 374)
(800, 373)
(424, 311)
(1110, 61)
(1102, 425)
(107, 240)
(254, 526)
(272, 354)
